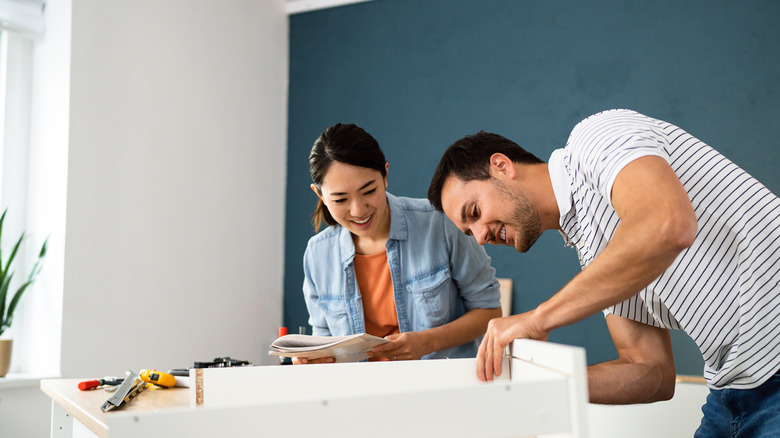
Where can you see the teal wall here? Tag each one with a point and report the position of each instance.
(418, 75)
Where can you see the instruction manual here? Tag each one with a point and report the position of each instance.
(344, 348)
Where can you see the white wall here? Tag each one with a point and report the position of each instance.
(175, 193)
(25, 412)
(176, 176)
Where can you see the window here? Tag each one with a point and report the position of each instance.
(25, 185)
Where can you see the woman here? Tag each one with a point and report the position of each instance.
(389, 266)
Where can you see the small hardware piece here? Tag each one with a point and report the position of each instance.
(126, 392)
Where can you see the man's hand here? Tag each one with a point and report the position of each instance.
(500, 332)
(402, 346)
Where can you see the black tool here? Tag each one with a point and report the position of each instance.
(219, 362)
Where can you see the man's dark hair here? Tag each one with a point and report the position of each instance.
(469, 159)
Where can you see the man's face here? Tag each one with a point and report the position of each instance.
(492, 211)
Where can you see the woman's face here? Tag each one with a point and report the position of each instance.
(355, 197)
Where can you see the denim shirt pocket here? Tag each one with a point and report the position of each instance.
(431, 299)
(335, 311)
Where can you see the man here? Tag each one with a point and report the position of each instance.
(670, 235)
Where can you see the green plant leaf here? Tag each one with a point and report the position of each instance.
(6, 275)
(42, 254)
(3, 294)
(14, 301)
(36, 269)
(2, 219)
(13, 253)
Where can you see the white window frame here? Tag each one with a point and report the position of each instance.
(33, 174)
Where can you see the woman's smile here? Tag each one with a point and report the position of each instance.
(363, 223)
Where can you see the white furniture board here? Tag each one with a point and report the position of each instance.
(498, 410)
(570, 362)
(276, 384)
(678, 417)
(396, 398)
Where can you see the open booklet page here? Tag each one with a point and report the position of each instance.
(344, 348)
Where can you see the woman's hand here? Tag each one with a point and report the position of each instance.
(303, 360)
(402, 346)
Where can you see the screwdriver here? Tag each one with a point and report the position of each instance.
(158, 378)
(89, 384)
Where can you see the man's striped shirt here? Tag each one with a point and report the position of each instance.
(724, 290)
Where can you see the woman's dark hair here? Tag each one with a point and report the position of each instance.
(469, 159)
(348, 144)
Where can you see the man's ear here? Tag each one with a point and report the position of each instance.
(316, 192)
(500, 164)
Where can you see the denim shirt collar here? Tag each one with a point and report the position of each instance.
(398, 226)
(398, 231)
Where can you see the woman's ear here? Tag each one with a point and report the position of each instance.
(316, 191)
(387, 172)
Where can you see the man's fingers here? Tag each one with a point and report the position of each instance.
(481, 360)
(498, 357)
(489, 358)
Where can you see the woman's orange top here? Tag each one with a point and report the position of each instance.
(376, 289)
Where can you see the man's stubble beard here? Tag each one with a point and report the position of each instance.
(524, 217)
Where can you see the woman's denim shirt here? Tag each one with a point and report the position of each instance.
(438, 274)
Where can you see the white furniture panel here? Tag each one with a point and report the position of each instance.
(542, 392)
(678, 417)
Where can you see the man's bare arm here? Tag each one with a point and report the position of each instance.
(644, 371)
(657, 222)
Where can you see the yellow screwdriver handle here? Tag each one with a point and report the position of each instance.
(158, 378)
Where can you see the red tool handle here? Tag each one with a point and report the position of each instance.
(89, 384)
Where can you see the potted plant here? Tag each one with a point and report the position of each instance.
(7, 307)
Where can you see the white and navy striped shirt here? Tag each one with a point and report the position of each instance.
(724, 290)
